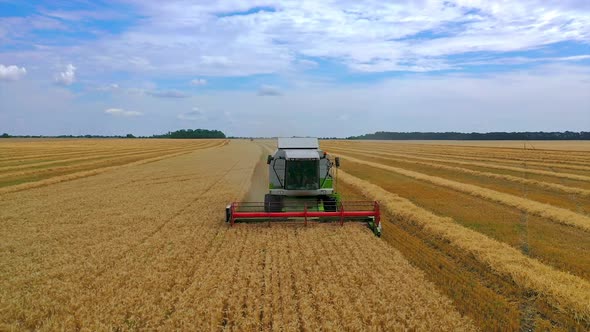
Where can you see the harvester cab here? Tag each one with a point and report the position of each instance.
(302, 181)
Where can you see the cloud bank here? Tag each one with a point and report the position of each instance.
(66, 77)
(195, 115)
(11, 73)
(167, 94)
(122, 112)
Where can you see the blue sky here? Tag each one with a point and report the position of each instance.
(324, 68)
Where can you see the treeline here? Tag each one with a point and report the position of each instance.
(190, 133)
(183, 133)
(496, 136)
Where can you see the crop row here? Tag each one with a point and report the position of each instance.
(42, 177)
(563, 290)
(544, 210)
(145, 247)
(536, 189)
(74, 166)
(514, 155)
(525, 181)
(24, 151)
(555, 165)
(93, 155)
(520, 170)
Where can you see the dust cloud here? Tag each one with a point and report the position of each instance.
(259, 181)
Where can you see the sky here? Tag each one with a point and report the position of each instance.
(283, 68)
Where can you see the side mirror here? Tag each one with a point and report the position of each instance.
(337, 161)
(269, 159)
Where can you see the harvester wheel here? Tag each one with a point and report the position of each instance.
(227, 213)
(330, 204)
(273, 203)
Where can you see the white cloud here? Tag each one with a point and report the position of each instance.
(215, 61)
(108, 87)
(524, 60)
(367, 36)
(195, 115)
(199, 82)
(543, 97)
(19, 27)
(82, 15)
(122, 112)
(66, 77)
(305, 64)
(167, 94)
(11, 73)
(269, 90)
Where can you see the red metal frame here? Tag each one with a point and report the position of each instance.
(341, 213)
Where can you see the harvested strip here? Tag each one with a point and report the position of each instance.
(563, 165)
(510, 168)
(560, 215)
(91, 155)
(57, 153)
(530, 154)
(468, 156)
(75, 166)
(564, 291)
(61, 152)
(560, 246)
(547, 162)
(548, 185)
(97, 158)
(21, 178)
(79, 147)
(83, 174)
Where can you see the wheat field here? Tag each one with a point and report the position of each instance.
(130, 235)
(505, 229)
(143, 245)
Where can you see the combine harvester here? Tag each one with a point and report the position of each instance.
(301, 183)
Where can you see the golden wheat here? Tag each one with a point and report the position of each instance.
(43, 177)
(548, 185)
(554, 163)
(88, 155)
(549, 161)
(563, 153)
(501, 167)
(144, 247)
(560, 215)
(565, 291)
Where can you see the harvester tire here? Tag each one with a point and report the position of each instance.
(330, 204)
(273, 203)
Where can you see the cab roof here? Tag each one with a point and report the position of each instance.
(298, 143)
